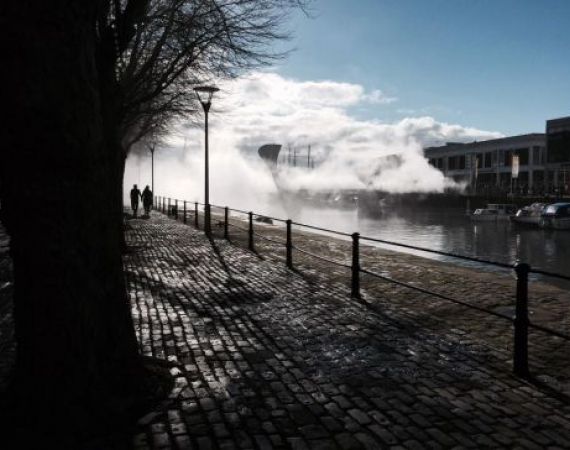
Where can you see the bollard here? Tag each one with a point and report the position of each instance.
(251, 247)
(289, 245)
(196, 223)
(168, 209)
(176, 209)
(163, 204)
(355, 287)
(226, 222)
(184, 218)
(520, 357)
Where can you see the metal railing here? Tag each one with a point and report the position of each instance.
(520, 321)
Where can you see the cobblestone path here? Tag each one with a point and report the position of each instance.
(270, 358)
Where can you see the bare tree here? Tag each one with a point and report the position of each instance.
(87, 80)
(151, 53)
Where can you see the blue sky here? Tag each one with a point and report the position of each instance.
(498, 65)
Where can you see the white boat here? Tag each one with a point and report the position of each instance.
(556, 216)
(529, 215)
(494, 212)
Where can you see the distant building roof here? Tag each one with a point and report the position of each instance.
(506, 141)
(558, 123)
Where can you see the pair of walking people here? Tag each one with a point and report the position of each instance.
(145, 196)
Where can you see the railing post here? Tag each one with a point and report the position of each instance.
(520, 357)
(163, 204)
(176, 209)
(168, 209)
(251, 247)
(289, 245)
(226, 222)
(196, 223)
(184, 211)
(355, 285)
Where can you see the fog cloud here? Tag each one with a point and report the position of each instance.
(266, 108)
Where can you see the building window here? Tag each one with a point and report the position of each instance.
(488, 162)
(523, 156)
(461, 162)
(538, 155)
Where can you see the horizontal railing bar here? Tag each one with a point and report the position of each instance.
(322, 258)
(435, 294)
(278, 241)
(438, 252)
(549, 331)
(247, 212)
(549, 274)
(230, 209)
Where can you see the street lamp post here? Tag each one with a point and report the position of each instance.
(151, 148)
(205, 94)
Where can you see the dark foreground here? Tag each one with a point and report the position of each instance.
(268, 358)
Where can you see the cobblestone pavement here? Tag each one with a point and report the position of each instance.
(549, 305)
(269, 358)
(265, 357)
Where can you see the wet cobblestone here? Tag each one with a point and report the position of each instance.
(268, 358)
(549, 304)
(271, 358)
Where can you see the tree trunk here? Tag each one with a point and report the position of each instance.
(77, 357)
(111, 115)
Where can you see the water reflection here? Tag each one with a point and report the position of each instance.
(450, 230)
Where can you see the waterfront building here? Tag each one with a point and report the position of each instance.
(558, 147)
(541, 162)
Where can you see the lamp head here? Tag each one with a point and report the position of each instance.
(205, 94)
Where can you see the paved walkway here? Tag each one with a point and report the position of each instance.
(267, 358)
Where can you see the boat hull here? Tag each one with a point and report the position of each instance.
(528, 220)
(555, 223)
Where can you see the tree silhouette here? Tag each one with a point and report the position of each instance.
(150, 54)
(87, 79)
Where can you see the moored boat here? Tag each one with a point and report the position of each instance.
(494, 212)
(556, 216)
(529, 215)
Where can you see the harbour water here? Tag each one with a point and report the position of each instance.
(451, 230)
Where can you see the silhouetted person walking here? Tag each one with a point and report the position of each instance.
(147, 200)
(135, 195)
